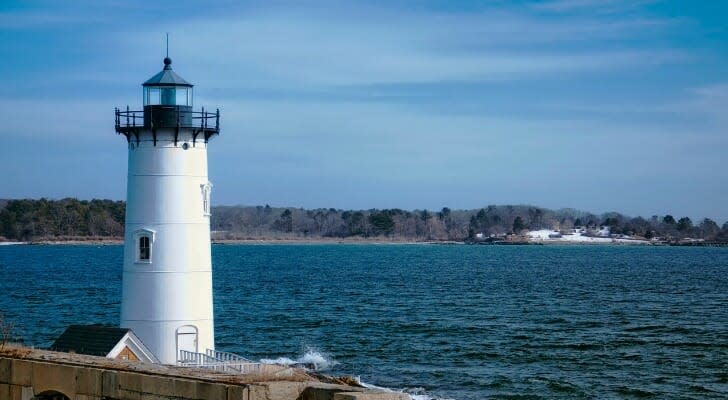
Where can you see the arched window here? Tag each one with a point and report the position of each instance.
(144, 242)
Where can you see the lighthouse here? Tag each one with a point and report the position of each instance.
(167, 274)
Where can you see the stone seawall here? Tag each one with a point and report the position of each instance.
(27, 374)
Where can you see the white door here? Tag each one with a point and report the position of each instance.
(186, 340)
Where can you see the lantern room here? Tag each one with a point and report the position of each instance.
(167, 100)
(167, 88)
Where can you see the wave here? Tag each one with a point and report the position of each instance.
(319, 361)
(312, 359)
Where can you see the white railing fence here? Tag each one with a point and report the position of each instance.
(230, 363)
(225, 356)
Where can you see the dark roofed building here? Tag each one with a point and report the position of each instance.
(103, 341)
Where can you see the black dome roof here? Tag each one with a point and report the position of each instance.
(167, 77)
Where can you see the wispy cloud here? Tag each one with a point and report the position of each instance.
(703, 106)
(301, 48)
(40, 118)
(318, 47)
(344, 95)
(29, 20)
(593, 6)
(710, 100)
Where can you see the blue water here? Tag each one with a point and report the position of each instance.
(462, 322)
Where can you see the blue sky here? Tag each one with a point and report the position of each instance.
(600, 105)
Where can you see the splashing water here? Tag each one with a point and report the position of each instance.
(321, 361)
(311, 357)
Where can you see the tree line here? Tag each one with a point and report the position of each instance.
(30, 219)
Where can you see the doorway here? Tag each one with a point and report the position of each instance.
(186, 340)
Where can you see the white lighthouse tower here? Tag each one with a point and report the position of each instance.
(167, 276)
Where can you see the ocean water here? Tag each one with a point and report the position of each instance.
(442, 322)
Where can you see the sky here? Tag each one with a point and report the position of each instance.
(598, 105)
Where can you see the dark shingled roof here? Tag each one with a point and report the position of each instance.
(167, 77)
(94, 340)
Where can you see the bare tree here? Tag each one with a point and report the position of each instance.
(6, 331)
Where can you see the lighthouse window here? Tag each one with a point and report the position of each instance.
(152, 96)
(206, 188)
(144, 239)
(183, 97)
(145, 250)
(168, 96)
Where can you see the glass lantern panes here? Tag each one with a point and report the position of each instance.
(167, 95)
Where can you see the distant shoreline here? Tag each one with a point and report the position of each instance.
(100, 222)
(377, 241)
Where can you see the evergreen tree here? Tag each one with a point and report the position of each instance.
(684, 224)
(518, 225)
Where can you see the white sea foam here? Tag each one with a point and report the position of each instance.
(319, 360)
(413, 393)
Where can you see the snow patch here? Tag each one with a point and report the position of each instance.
(580, 236)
